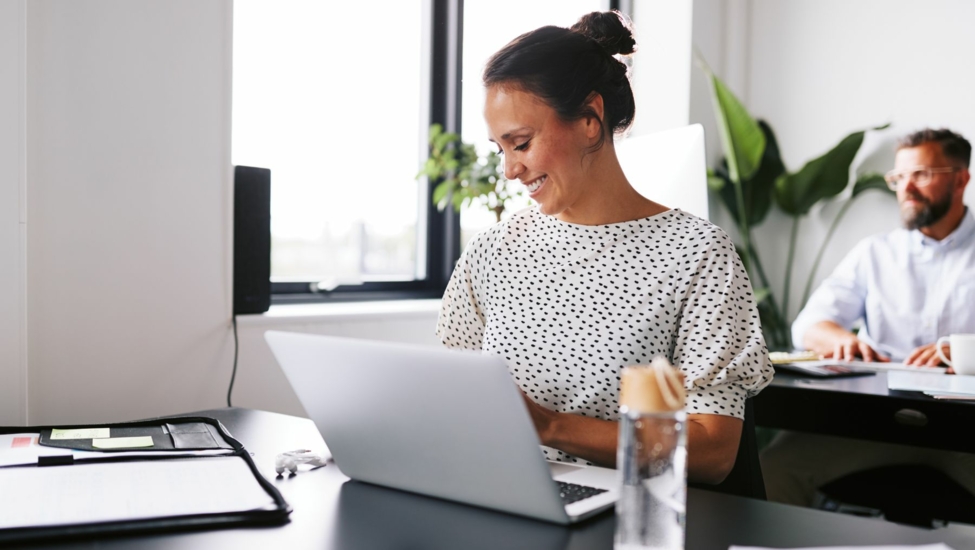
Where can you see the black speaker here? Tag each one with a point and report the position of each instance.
(252, 239)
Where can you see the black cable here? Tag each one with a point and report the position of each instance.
(234, 373)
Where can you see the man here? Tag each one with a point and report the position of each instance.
(909, 287)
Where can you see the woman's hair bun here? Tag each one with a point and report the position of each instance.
(609, 29)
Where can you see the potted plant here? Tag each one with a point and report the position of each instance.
(752, 178)
(463, 176)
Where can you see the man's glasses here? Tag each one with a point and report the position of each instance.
(921, 175)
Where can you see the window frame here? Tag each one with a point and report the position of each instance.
(440, 239)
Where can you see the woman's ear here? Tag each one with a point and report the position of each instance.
(594, 122)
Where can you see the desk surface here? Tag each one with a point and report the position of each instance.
(864, 408)
(332, 512)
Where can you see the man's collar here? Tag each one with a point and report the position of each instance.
(962, 233)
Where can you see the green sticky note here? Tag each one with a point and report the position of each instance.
(83, 433)
(122, 442)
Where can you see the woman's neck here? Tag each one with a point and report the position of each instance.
(610, 198)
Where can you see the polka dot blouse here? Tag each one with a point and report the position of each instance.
(567, 306)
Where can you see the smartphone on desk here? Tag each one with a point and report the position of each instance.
(822, 371)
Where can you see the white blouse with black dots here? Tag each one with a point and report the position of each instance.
(567, 306)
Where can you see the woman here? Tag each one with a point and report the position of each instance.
(597, 277)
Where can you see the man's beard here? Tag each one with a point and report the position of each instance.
(928, 214)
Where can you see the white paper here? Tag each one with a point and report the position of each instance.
(85, 493)
(918, 381)
(938, 546)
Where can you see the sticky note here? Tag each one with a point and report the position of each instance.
(122, 442)
(84, 433)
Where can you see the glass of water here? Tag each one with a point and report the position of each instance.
(652, 461)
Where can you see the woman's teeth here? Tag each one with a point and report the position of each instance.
(533, 186)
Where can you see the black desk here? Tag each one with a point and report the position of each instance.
(863, 408)
(332, 512)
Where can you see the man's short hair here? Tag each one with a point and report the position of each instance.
(953, 145)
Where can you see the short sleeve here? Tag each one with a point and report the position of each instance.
(461, 322)
(841, 298)
(719, 343)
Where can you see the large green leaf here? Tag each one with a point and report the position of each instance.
(822, 177)
(871, 181)
(715, 182)
(761, 294)
(757, 190)
(741, 137)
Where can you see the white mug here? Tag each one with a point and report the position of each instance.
(962, 352)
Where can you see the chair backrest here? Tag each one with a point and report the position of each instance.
(745, 479)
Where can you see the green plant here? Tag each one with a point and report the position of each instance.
(753, 177)
(463, 176)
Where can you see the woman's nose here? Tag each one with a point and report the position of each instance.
(512, 168)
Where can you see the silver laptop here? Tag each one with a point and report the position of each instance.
(443, 423)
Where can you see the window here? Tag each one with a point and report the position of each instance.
(337, 101)
(327, 99)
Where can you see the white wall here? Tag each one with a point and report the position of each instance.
(128, 191)
(13, 228)
(817, 70)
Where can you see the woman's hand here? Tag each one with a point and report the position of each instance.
(712, 440)
(542, 418)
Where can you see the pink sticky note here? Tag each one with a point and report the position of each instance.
(21, 442)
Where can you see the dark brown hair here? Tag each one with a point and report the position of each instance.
(953, 145)
(565, 67)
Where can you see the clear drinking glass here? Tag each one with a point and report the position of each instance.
(652, 461)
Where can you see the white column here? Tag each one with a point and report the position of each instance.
(662, 65)
(13, 214)
(128, 164)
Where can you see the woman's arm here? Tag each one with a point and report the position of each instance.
(712, 440)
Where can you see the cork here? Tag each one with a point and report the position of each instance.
(658, 387)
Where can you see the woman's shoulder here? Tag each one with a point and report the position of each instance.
(518, 222)
(686, 228)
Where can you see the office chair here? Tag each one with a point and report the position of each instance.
(745, 478)
(910, 493)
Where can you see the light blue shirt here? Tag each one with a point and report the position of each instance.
(909, 290)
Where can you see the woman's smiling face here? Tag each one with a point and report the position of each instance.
(545, 153)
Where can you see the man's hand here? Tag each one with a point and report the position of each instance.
(848, 347)
(833, 341)
(927, 356)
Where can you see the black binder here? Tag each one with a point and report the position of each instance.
(173, 435)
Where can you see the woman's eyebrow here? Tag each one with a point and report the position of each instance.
(515, 131)
(508, 135)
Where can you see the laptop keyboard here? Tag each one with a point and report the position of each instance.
(570, 492)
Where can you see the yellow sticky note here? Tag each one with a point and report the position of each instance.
(122, 442)
(83, 433)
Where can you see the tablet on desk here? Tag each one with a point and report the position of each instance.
(818, 370)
